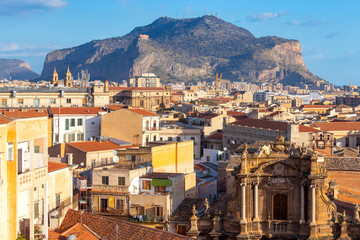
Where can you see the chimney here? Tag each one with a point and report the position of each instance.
(69, 158)
(106, 88)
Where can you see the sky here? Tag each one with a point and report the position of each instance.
(328, 30)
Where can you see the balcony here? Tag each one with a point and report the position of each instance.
(151, 129)
(146, 218)
(110, 188)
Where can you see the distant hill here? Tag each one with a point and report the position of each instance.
(17, 69)
(184, 50)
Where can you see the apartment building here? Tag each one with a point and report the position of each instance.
(72, 124)
(134, 125)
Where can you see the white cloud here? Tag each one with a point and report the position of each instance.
(261, 17)
(307, 23)
(9, 47)
(23, 7)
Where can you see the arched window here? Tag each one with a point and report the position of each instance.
(280, 207)
(147, 125)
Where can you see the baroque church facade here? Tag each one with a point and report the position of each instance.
(279, 192)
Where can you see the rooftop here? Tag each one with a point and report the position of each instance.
(259, 123)
(337, 126)
(105, 227)
(215, 136)
(93, 146)
(77, 110)
(142, 112)
(53, 166)
(160, 175)
(24, 113)
(136, 89)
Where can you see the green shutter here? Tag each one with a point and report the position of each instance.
(66, 124)
(161, 182)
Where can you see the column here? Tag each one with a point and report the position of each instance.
(312, 205)
(256, 202)
(243, 218)
(302, 220)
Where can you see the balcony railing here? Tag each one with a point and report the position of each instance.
(146, 218)
(110, 188)
(151, 129)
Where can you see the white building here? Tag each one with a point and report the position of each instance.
(76, 123)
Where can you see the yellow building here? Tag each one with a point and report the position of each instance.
(23, 151)
(176, 158)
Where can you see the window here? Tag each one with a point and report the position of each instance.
(92, 123)
(357, 141)
(169, 138)
(72, 122)
(158, 211)
(93, 163)
(347, 142)
(57, 200)
(154, 138)
(67, 124)
(20, 101)
(141, 103)
(52, 101)
(57, 138)
(37, 149)
(72, 137)
(56, 122)
(36, 210)
(105, 180)
(80, 122)
(160, 189)
(10, 152)
(68, 100)
(36, 102)
(80, 137)
(280, 207)
(121, 181)
(178, 139)
(119, 204)
(4, 102)
(208, 158)
(146, 184)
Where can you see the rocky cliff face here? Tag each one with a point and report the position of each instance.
(16, 69)
(185, 50)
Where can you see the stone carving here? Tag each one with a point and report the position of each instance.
(279, 169)
(265, 150)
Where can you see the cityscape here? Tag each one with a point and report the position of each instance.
(186, 127)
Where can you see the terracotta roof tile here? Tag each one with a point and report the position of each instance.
(184, 211)
(93, 146)
(115, 107)
(77, 110)
(28, 113)
(4, 119)
(303, 128)
(53, 166)
(215, 136)
(200, 167)
(105, 227)
(259, 123)
(81, 231)
(337, 126)
(142, 112)
(234, 113)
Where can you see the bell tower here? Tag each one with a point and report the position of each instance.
(68, 78)
(55, 78)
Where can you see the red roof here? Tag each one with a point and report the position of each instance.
(142, 112)
(318, 106)
(303, 128)
(115, 107)
(94, 146)
(4, 119)
(337, 126)
(26, 113)
(77, 110)
(259, 123)
(53, 166)
(200, 167)
(234, 113)
(105, 227)
(135, 88)
(215, 136)
(81, 231)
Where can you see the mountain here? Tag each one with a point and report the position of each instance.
(17, 69)
(185, 50)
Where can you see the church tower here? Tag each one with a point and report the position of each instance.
(55, 78)
(68, 78)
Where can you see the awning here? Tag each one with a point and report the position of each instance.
(161, 182)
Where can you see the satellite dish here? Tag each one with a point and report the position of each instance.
(116, 159)
(115, 153)
(339, 144)
(82, 164)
